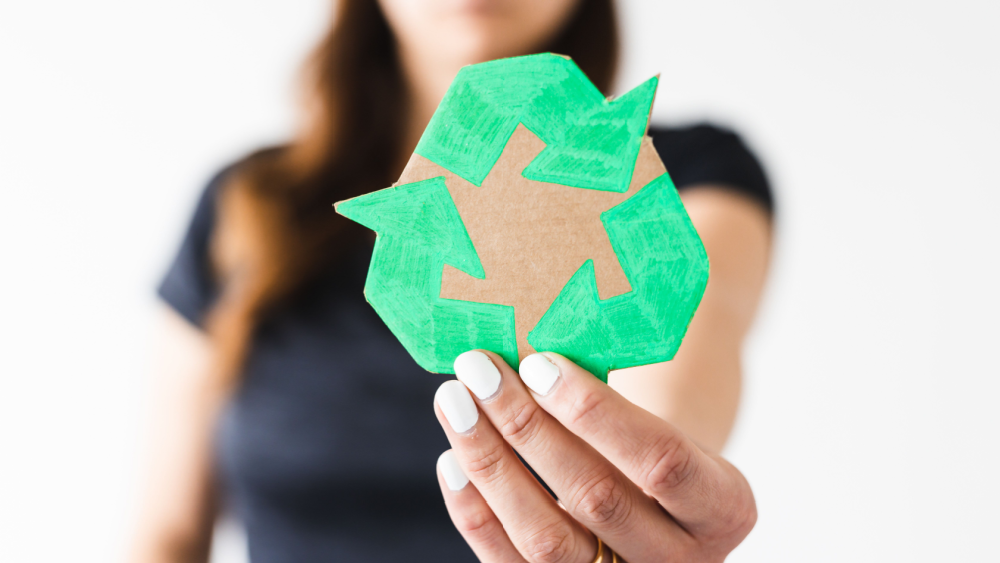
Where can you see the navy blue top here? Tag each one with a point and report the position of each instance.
(327, 450)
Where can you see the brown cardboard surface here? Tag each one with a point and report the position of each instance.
(531, 236)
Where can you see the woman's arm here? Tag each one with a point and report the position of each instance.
(634, 464)
(698, 391)
(179, 506)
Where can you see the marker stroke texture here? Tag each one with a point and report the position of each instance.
(591, 143)
(664, 261)
(419, 231)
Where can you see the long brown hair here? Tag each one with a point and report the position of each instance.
(275, 224)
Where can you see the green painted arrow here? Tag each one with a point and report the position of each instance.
(419, 231)
(590, 142)
(665, 262)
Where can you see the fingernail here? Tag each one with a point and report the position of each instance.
(478, 373)
(457, 405)
(538, 373)
(452, 472)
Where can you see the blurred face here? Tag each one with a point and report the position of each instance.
(460, 32)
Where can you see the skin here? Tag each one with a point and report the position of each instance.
(636, 462)
(620, 472)
(179, 506)
(648, 480)
(435, 38)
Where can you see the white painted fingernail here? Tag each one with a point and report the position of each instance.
(538, 373)
(457, 405)
(454, 477)
(478, 373)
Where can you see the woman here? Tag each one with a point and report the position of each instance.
(291, 400)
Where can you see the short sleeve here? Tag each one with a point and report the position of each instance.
(706, 154)
(189, 285)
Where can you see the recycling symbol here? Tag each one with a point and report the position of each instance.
(534, 215)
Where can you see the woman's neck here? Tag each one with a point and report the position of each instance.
(427, 79)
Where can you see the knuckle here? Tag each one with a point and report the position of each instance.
(747, 520)
(674, 467)
(487, 464)
(605, 503)
(730, 532)
(478, 525)
(750, 521)
(550, 545)
(522, 424)
(742, 516)
(585, 410)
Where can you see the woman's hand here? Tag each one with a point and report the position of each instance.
(621, 474)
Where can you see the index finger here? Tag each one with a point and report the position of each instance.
(703, 493)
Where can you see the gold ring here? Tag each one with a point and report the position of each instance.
(605, 554)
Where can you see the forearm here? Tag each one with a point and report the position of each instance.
(699, 390)
(179, 505)
(162, 547)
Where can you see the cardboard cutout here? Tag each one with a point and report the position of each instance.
(534, 215)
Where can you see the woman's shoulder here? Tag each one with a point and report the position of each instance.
(708, 154)
(204, 216)
(189, 284)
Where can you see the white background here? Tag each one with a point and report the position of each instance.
(869, 428)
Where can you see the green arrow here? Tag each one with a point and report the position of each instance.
(419, 231)
(664, 261)
(590, 142)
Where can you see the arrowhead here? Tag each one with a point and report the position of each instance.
(665, 262)
(422, 213)
(594, 145)
(419, 231)
(576, 327)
